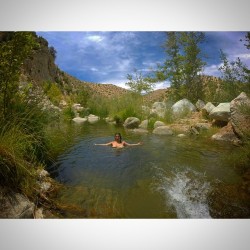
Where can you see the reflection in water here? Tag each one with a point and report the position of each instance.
(166, 177)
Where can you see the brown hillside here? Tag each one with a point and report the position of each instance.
(158, 95)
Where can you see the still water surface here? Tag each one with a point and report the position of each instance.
(166, 177)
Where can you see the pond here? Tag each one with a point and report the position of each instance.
(166, 177)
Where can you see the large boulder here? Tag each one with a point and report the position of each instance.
(221, 112)
(158, 124)
(207, 108)
(226, 134)
(183, 106)
(93, 118)
(158, 108)
(131, 122)
(239, 118)
(144, 124)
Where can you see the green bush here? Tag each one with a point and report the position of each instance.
(128, 105)
(68, 113)
(53, 92)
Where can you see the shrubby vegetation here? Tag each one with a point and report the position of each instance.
(25, 141)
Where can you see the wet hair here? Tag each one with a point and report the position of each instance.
(118, 134)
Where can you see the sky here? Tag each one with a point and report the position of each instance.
(107, 57)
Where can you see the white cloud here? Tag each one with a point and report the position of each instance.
(95, 38)
(94, 69)
(212, 70)
(245, 56)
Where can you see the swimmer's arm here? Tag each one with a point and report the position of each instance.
(104, 144)
(133, 144)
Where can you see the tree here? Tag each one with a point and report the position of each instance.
(247, 36)
(13, 51)
(172, 68)
(192, 64)
(138, 83)
(235, 77)
(183, 64)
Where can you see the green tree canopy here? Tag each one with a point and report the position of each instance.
(14, 49)
(183, 64)
(138, 83)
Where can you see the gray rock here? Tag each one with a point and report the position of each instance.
(144, 124)
(16, 206)
(226, 134)
(182, 106)
(42, 174)
(202, 126)
(207, 108)
(93, 118)
(45, 186)
(221, 112)
(159, 109)
(163, 130)
(131, 122)
(240, 119)
(158, 124)
(79, 120)
(39, 213)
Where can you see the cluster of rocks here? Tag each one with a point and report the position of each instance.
(77, 119)
(235, 124)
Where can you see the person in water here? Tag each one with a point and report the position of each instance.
(118, 143)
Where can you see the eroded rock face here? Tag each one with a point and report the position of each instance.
(239, 117)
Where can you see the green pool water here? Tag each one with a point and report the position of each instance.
(166, 177)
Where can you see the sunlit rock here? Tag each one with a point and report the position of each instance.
(131, 122)
(221, 112)
(183, 105)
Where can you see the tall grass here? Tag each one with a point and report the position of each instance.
(18, 159)
(119, 108)
(23, 147)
